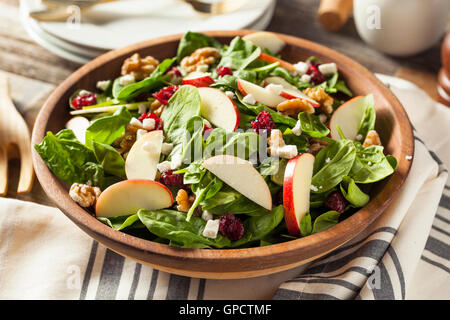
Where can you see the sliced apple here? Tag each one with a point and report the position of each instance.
(198, 79)
(296, 94)
(240, 175)
(348, 117)
(266, 40)
(280, 81)
(261, 95)
(296, 190)
(270, 59)
(144, 156)
(78, 125)
(128, 196)
(219, 109)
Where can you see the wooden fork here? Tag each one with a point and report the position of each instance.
(13, 131)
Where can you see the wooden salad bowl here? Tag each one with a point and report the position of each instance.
(392, 124)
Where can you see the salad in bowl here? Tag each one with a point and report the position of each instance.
(221, 146)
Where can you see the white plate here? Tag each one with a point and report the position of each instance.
(117, 24)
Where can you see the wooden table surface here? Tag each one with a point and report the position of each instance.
(34, 72)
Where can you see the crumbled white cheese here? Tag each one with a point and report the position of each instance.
(305, 78)
(275, 88)
(328, 68)
(202, 68)
(166, 148)
(297, 130)
(149, 147)
(176, 162)
(149, 124)
(323, 118)
(140, 133)
(103, 84)
(127, 79)
(230, 94)
(211, 229)
(358, 137)
(83, 93)
(206, 215)
(327, 160)
(287, 151)
(369, 163)
(408, 158)
(301, 67)
(142, 108)
(163, 166)
(314, 188)
(249, 99)
(136, 123)
(320, 187)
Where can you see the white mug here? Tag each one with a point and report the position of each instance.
(401, 27)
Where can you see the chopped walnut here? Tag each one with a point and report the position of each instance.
(293, 107)
(84, 195)
(125, 142)
(139, 67)
(319, 95)
(184, 200)
(200, 59)
(275, 141)
(372, 139)
(157, 107)
(315, 145)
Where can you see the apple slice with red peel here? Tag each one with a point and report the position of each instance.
(198, 79)
(280, 81)
(240, 175)
(270, 59)
(295, 94)
(296, 190)
(266, 40)
(128, 196)
(261, 95)
(219, 109)
(348, 117)
(144, 156)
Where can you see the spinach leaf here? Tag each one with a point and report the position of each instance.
(368, 121)
(341, 87)
(172, 225)
(352, 193)
(312, 126)
(207, 188)
(371, 165)
(226, 83)
(300, 141)
(183, 105)
(110, 159)
(107, 129)
(332, 163)
(192, 41)
(151, 82)
(239, 54)
(192, 144)
(257, 227)
(69, 159)
(306, 225)
(122, 222)
(325, 221)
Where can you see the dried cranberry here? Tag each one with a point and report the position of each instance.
(151, 115)
(172, 180)
(231, 227)
(84, 100)
(263, 121)
(316, 76)
(175, 71)
(165, 94)
(336, 201)
(223, 71)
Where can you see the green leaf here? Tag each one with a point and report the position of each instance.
(123, 222)
(368, 120)
(341, 87)
(110, 159)
(107, 129)
(300, 141)
(239, 54)
(371, 165)
(192, 41)
(352, 193)
(325, 221)
(312, 126)
(306, 225)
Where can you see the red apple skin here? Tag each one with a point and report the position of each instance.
(289, 96)
(140, 181)
(203, 81)
(269, 59)
(241, 88)
(238, 114)
(292, 224)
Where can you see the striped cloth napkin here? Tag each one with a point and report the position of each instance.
(405, 254)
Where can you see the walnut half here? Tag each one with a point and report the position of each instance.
(200, 59)
(319, 95)
(184, 200)
(372, 139)
(84, 195)
(139, 67)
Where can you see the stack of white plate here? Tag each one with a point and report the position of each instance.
(117, 24)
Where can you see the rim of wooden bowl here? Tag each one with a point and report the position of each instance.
(276, 255)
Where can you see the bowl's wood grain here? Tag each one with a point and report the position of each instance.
(392, 124)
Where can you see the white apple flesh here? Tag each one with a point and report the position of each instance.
(240, 175)
(348, 117)
(266, 40)
(198, 79)
(261, 95)
(144, 156)
(219, 109)
(280, 81)
(296, 190)
(78, 125)
(295, 94)
(128, 196)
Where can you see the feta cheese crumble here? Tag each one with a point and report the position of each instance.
(176, 162)
(211, 229)
(305, 78)
(166, 148)
(301, 67)
(275, 88)
(206, 215)
(358, 137)
(163, 166)
(408, 158)
(127, 79)
(103, 84)
(149, 124)
(313, 188)
(327, 160)
(249, 99)
(83, 93)
(287, 151)
(230, 94)
(136, 123)
(297, 130)
(328, 68)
